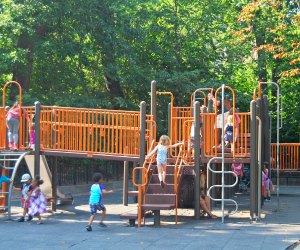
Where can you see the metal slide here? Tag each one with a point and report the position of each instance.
(11, 161)
(46, 176)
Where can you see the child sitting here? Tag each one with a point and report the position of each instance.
(228, 131)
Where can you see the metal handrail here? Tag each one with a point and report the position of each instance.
(21, 156)
(140, 190)
(176, 182)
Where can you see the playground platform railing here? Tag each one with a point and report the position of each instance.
(182, 120)
(92, 131)
(289, 158)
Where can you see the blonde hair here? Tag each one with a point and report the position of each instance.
(230, 119)
(164, 140)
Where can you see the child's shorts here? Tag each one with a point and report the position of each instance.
(98, 206)
(24, 203)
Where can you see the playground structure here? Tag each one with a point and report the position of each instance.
(128, 135)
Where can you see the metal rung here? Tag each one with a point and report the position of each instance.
(4, 192)
(9, 159)
(1, 207)
(13, 154)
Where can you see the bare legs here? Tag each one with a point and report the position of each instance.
(161, 168)
(205, 206)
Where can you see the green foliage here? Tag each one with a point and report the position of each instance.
(104, 54)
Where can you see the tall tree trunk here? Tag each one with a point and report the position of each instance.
(113, 85)
(22, 72)
(259, 32)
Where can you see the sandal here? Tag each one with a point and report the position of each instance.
(39, 222)
(213, 217)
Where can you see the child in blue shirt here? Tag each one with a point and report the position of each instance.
(97, 189)
(3, 178)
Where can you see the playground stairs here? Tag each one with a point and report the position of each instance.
(156, 198)
(10, 160)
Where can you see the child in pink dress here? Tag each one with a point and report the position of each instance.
(38, 202)
(32, 136)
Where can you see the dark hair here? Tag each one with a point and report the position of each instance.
(97, 177)
(38, 180)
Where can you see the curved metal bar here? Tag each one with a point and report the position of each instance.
(21, 157)
(172, 105)
(4, 92)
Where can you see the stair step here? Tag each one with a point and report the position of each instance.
(170, 169)
(131, 217)
(133, 193)
(160, 198)
(158, 206)
(154, 188)
(169, 178)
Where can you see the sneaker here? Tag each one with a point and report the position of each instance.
(10, 145)
(101, 224)
(162, 184)
(16, 147)
(29, 218)
(88, 228)
(21, 219)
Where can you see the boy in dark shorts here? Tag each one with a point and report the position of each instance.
(97, 189)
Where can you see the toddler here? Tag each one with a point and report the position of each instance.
(38, 202)
(26, 187)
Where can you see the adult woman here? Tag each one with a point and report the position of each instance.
(13, 124)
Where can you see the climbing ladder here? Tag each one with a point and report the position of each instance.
(11, 161)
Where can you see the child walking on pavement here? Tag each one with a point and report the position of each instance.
(97, 189)
(26, 187)
(161, 157)
(38, 202)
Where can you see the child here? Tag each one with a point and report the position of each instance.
(267, 184)
(3, 178)
(204, 199)
(32, 136)
(38, 202)
(228, 131)
(161, 157)
(26, 187)
(97, 189)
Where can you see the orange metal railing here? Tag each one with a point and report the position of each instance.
(179, 116)
(182, 120)
(2, 127)
(92, 131)
(289, 158)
